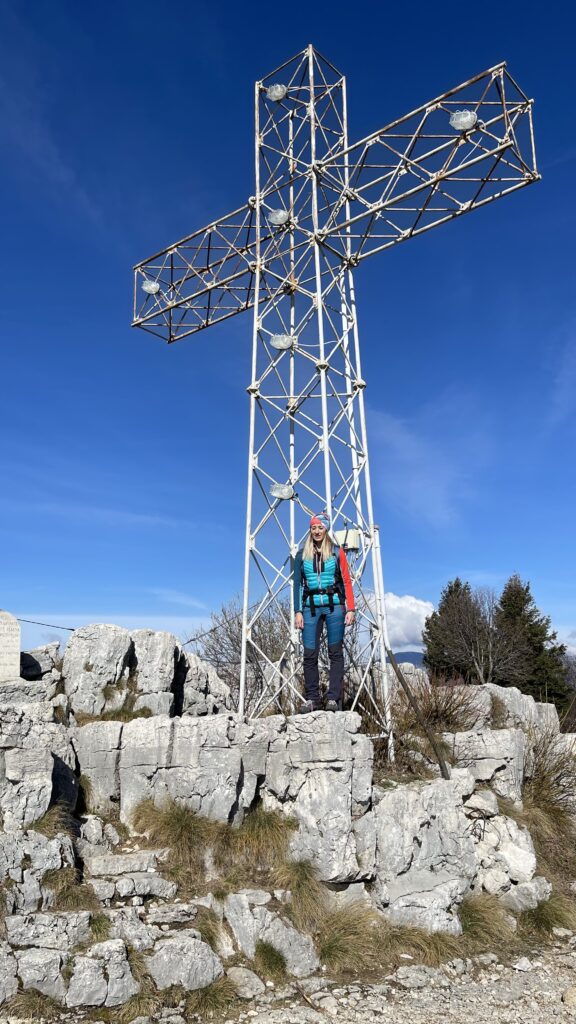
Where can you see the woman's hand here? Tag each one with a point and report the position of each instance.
(349, 618)
(299, 620)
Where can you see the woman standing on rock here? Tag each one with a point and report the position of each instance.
(322, 594)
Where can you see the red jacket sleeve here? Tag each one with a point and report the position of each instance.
(347, 581)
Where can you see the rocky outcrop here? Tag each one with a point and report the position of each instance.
(425, 856)
(36, 764)
(410, 852)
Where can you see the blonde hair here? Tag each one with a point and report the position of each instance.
(309, 549)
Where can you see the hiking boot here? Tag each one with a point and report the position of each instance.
(306, 707)
(332, 705)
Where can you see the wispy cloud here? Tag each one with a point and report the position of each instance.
(27, 132)
(116, 518)
(170, 596)
(563, 397)
(423, 466)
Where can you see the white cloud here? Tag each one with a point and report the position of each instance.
(405, 616)
(170, 596)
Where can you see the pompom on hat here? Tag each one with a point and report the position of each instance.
(322, 519)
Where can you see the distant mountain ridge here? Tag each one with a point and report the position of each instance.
(414, 657)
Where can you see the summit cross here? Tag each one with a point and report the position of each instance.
(320, 207)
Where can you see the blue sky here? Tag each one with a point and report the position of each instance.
(125, 126)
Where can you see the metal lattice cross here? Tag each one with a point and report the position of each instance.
(321, 206)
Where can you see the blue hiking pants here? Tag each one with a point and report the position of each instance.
(311, 636)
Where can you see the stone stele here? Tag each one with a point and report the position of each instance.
(9, 647)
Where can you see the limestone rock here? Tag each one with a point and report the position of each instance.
(127, 925)
(504, 845)
(171, 913)
(203, 692)
(527, 895)
(318, 769)
(517, 710)
(495, 757)
(8, 977)
(297, 949)
(425, 857)
(102, 976)
(122, 863)
(96, 666)
(36, 764)
(145, 883)
(40, 969)
(25, 857)
(155, 655)
(97, 747)
(184, 960)
(41, 662)
(49, 931)
(189, 759)
(246, 984)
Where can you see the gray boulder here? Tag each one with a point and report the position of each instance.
(97, 747)
(246, 984)
(102, 976)
(185, 960)
(96, 668)
(127, 924)
(252, 924)
(495, 757)
(8, 975)
(425, 857)
(203, 692)
(25, 857)
(192, 760)
(36, 764)
(156, 656)
(318, 769)
(49, 931)
(527, 895)
(40, 969)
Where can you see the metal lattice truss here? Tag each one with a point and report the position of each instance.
(400, 181)
(320, 207)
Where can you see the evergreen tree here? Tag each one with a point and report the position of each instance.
(545, 675)
(440, 659)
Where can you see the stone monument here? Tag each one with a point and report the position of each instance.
(9, 647)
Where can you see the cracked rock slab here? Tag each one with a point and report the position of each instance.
(184, 960)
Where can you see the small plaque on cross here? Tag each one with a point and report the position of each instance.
(9, 647)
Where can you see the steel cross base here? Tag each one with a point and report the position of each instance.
(320, 207)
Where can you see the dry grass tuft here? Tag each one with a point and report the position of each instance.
(209, 925)
(444, 707)
(85, 795)
(262, 839)
(499, 713)
(100, 926)
(557, 912)
(350, 939)
(484, 923)
(146, 1003)
(309, 899)
(34, 1005)
(548, 808)
(69, 892)
(270, 962)
(57, 820)
(213, 1000)
(241, 854)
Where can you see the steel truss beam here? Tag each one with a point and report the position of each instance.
(321, 206)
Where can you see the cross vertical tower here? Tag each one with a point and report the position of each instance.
(322, 206)
(308, 447)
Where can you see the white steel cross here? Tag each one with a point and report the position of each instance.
(320, 207)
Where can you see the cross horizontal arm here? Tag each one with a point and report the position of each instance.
(456, 153)
(460, 151)
(200, 280)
